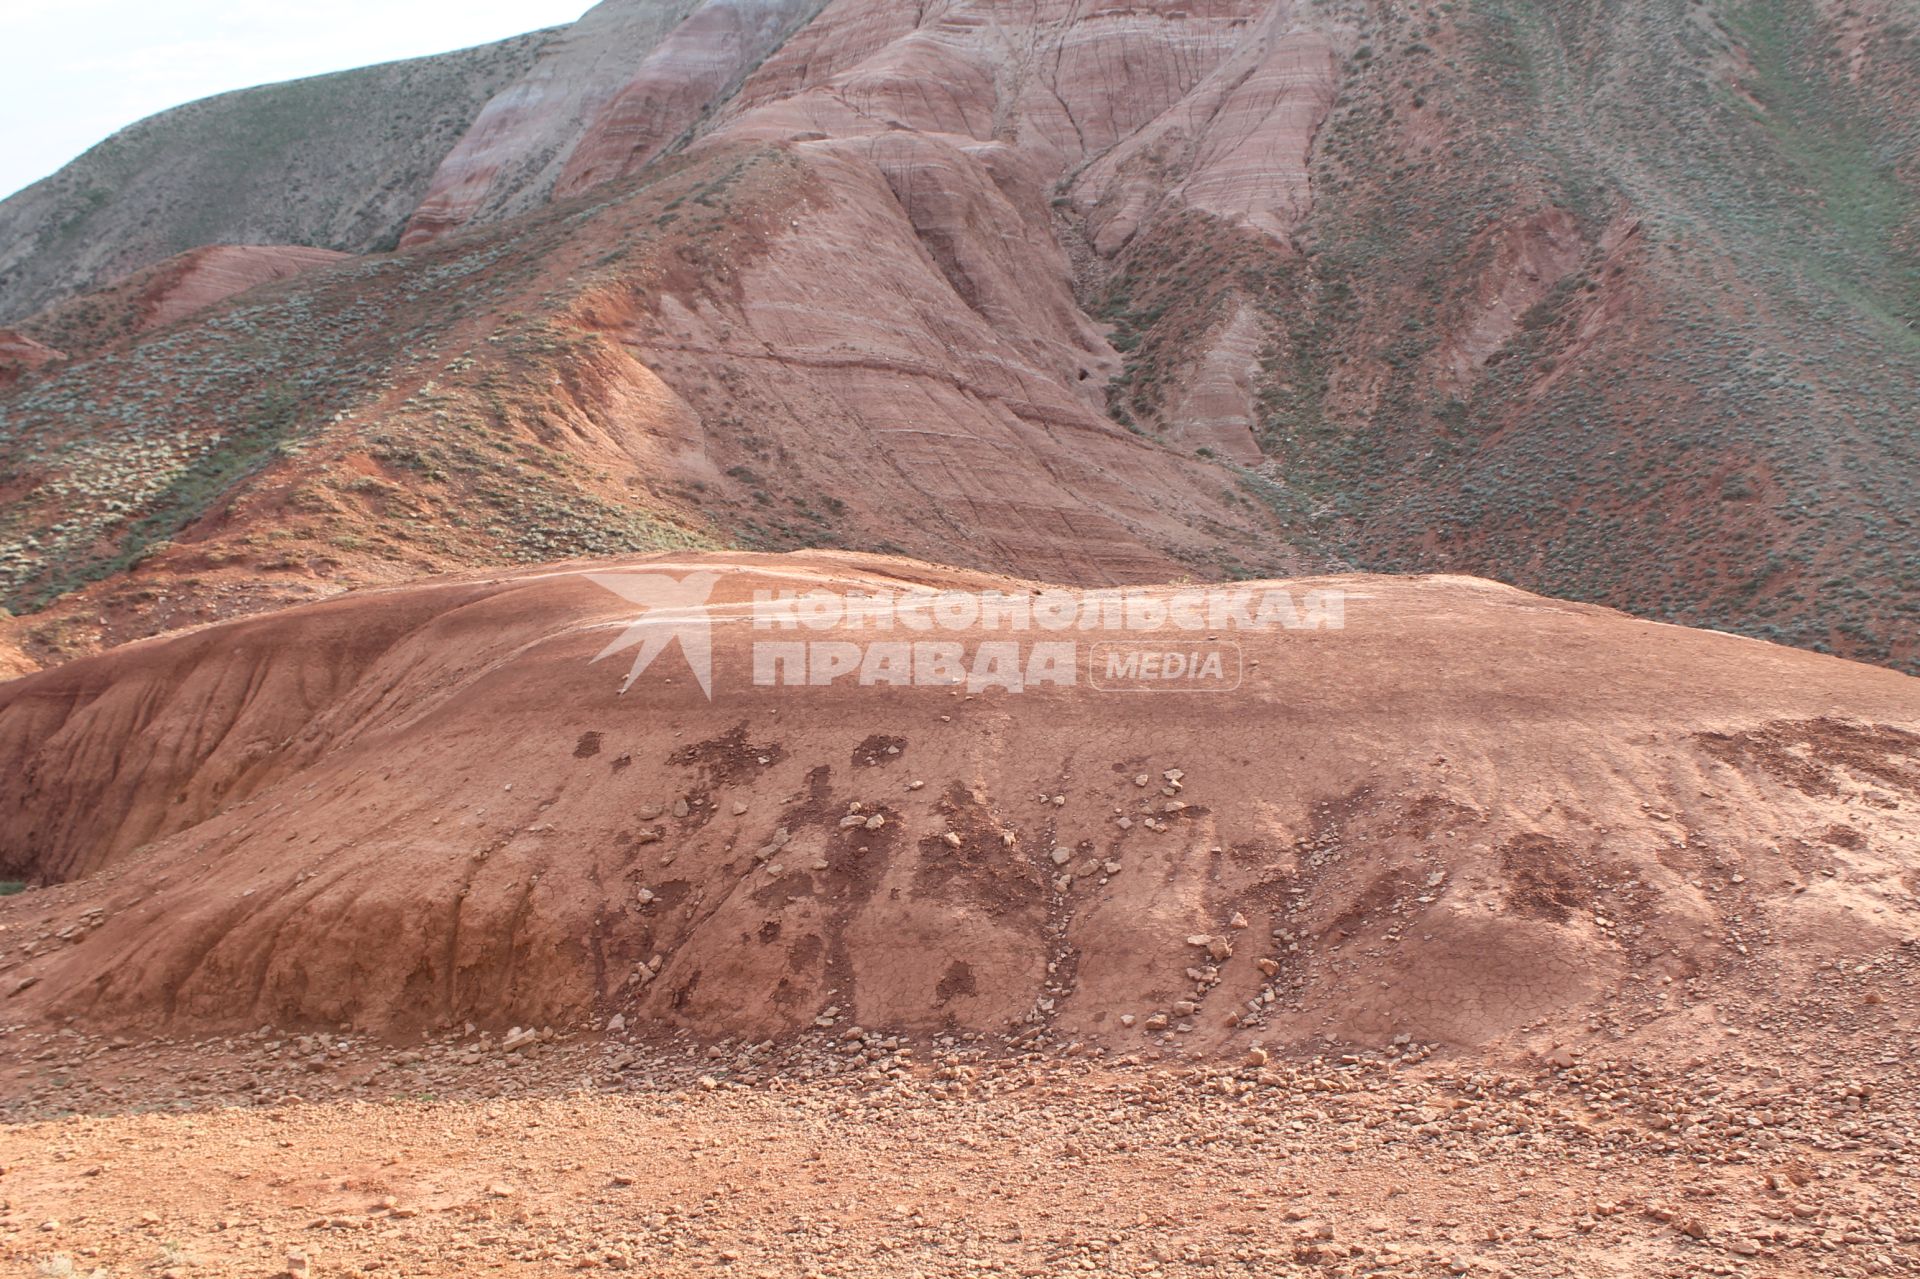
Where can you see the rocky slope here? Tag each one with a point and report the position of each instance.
(1473, 817)
(1646, 330)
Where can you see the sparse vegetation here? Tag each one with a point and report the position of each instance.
(1640, 462)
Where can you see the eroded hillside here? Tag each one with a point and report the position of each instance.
(1612, 301)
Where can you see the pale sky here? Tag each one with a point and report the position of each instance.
(73, 72)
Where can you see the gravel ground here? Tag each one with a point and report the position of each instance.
(858, 1154)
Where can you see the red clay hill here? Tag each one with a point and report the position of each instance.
(1473, 817)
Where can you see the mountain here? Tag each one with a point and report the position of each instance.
(338, 162)
(1612, 301)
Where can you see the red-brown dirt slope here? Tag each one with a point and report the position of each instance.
(1472, 816)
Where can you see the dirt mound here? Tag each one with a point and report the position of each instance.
(21, 355)
(1470, 815)
(169, 292)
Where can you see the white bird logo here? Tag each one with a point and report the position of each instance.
(672, 609)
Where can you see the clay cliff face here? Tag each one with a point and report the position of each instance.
(1236, 91)
(616, 90)
(509, 161)
(1610, 301)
